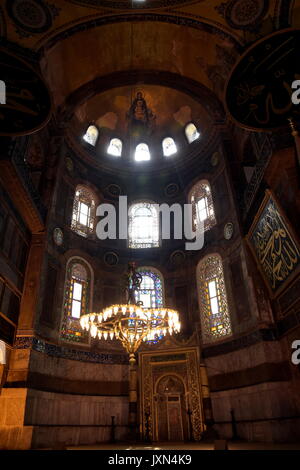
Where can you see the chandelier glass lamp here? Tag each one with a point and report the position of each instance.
(131, 324)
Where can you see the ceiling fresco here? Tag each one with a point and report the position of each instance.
(189, 52)
(79, 40)
(171, 110)
(33, 22)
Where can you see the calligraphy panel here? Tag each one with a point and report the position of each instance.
(259, 90)
(27, 104)
(274, 246)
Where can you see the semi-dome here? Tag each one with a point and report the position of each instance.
(154, 124)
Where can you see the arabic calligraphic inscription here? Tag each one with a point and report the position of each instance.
(276, 250)
(259, 90)
(28, 104)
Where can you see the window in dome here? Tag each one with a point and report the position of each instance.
(115, 147)
(143, 225)
(91, 135)
(76, 300)
(215, 319)
(169, 146)
(191, 132)
(142, 153)
(202, 205)
(84, 207)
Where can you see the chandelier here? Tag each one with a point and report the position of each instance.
(131, 323)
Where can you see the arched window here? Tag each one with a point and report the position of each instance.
(142, 153)
(191, 132)
(91, 135)
(143, 226)
(215, 320)
(76, 300)
(84, 208)
(202, 205)
(151, 293)
(151, 288)
(169, 146)
(115, 147)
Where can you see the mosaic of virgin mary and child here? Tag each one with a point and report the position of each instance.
(141, 118)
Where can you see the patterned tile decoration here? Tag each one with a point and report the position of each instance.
(31, 16)
(53, 350)
(123, 18)
(245, 14)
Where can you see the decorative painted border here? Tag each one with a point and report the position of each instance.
(126, 5)
(53, 350)
(141, 17)
(240, 343)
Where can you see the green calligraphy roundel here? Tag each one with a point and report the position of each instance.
(259, 91)
(25, 104)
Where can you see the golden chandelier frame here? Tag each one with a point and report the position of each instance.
(132, 324)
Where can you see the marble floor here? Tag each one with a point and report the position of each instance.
(191, 446)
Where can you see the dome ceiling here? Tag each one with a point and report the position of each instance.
(140, 113)
(80, 40)
(189, 52)
(33, 22)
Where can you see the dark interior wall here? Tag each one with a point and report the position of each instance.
(14, 247)
(177, 265)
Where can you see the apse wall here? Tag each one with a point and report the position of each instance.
(242, 354)
(73, 402)
(231, 363)
(249, 371)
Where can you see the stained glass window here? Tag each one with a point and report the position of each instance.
(151, 288)
(191, 132)
(115, 147)
(143, 228)
(151, 293)
(200, 197)
(215, 319)
(84, 208)
(76, 300)
(169, 146)
(142, 153)
(91, 135)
